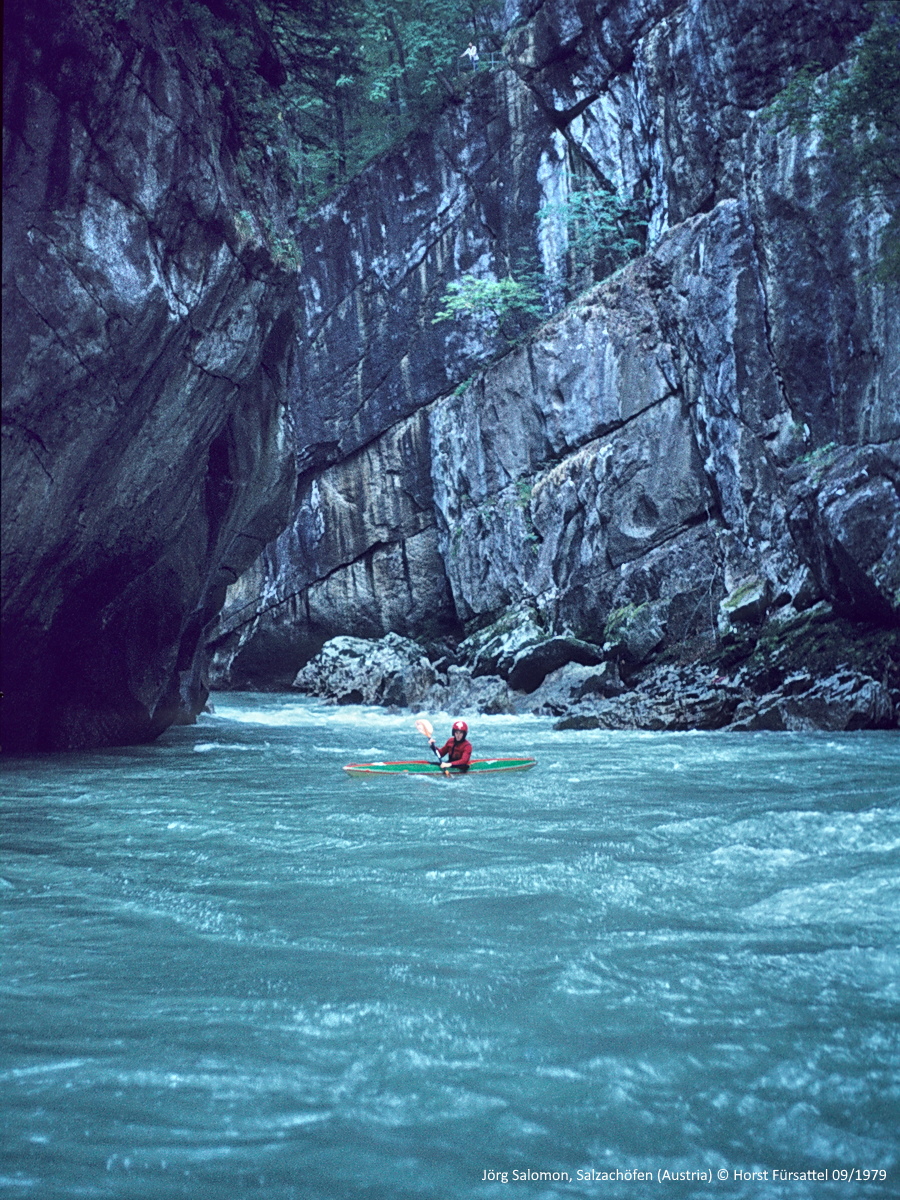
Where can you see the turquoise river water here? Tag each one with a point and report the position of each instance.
(658, 965)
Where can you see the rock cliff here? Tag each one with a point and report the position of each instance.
(147, 346)
(692, 465)
(705, 440)
(363, 553)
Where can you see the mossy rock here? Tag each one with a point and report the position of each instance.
(493, 649)
(819, 643)
(747, 604)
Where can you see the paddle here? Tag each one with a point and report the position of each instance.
(427, 730)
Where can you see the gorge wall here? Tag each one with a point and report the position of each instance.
(147, 344)
(698, 447)
(704, 439)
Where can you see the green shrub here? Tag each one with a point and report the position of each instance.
(619, 618)
(504, 303)
(604, 229)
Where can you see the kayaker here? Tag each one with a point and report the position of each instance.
(457, 748)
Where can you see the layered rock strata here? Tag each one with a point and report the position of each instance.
(363, 552)
(704, 441)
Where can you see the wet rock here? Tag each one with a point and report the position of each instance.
(809, 671)
(676, 698)
(393, 671)
(790, 679)
(844, 701)
(462, 694)
(746, 605)
(519, 650)
(564, 688)
(601, 681)
(494, 649)
(534, 663)
(816, 644)
(634, 632)
(387, 671)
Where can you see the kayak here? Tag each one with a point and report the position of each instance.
(430, 767)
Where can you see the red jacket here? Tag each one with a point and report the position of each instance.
(459, 752)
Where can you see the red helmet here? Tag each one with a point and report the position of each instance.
(461, 725)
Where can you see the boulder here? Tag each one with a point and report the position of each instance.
(745, 605)
(564, 688)
(393, 671)
(348, 670)
(846, 519)
(462, 694)
(669, 697)
(634, 632)
(493, 650)
(535, 662)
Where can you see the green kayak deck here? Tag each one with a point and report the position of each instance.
(430, 767)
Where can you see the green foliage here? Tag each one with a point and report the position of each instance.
(600, 224)
(245, 226)
(412, 48)
(504, 303)
(857, 115)
(823, 454)
(253, 231)
(604, 231)
(286, 253)
(794, 104)
(819, 460)
(316, 88)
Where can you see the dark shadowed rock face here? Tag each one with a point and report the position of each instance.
(846, 519)
(146, 451)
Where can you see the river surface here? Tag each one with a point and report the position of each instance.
(230, 971)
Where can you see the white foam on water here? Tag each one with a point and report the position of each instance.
(208, 747)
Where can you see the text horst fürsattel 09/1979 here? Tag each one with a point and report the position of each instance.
(664, 1175)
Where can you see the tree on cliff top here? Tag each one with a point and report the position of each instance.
(321, 86)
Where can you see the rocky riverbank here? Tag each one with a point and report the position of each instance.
(797, 672)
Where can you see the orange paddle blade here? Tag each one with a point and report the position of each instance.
(425, 728)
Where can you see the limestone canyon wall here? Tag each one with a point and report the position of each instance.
(216, 460)
(719, 417)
